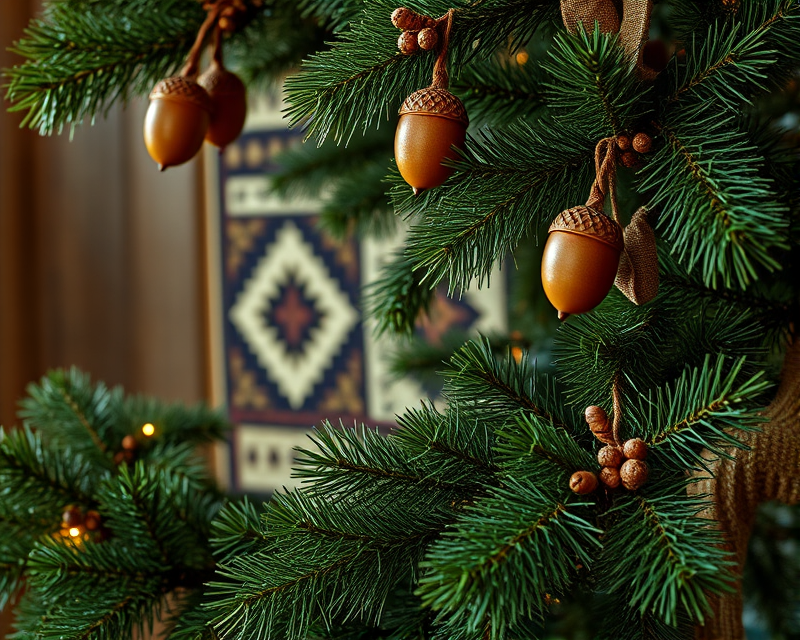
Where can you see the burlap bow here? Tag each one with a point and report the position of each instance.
(633, 27)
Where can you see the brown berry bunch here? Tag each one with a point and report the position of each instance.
(632, 147)
(420, 32)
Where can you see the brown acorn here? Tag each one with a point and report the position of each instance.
(580, 260)
(432, 121)
(583, 482)
(176, 121)
(228, 104)
(633, 474)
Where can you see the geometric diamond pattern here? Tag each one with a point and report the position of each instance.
(288, 261)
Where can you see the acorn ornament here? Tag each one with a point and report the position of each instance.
(185, 110)
(580, 260)
(433, 122)
(176, 121)
(228, 99)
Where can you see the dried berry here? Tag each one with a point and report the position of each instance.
(610, 456)
(610, 477)
(633, 474)
(427, 38)
(407, 43)
(642, 143)
(624, 141)
(409, 20)
(635, 449)
(583, 482)
(598, 422)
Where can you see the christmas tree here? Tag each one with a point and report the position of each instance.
(595, 478)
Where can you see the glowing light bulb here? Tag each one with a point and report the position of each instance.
(522, 57)
(74, 532)
(148, 429)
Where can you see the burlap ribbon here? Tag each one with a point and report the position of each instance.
(769, 469)
(633, 26)
(637, 276)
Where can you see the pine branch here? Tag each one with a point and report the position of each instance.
(455, 447)
(498, 91)
(719, 212)
(742, 57)
(678, 557)
(615, 99)
(362, 462)
(81, 59)
(363, 77)
(42, 479)
(508, 183)
(500, 388)
(397, 298)
(544, 450)
(74, 412)
(498, 562)
(702, 410)
(330, 562)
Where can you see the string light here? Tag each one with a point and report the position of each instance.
(74, 532)
(148, 429)
(522, 57)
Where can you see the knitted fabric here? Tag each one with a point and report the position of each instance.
(637, 276)
(769, 470)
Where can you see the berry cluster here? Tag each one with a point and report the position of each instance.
(78, 525)
(632, 148)
(620, 464)
(419, 31)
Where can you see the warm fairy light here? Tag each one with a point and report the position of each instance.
(148, 429)
(522, 57)
(516, 352)
(74, 532)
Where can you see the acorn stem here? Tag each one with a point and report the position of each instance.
(441, 79)
(193, 59)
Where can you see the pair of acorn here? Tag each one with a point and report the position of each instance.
(186, 109)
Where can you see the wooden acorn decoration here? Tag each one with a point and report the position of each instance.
(583, 248)
(580, 259)
(176, 121)
(228, 99)
(432, 121)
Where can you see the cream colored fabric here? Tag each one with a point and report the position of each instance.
(769, 470)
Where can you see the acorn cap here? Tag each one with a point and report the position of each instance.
(433, 101)
(585, 220)
(182, 89)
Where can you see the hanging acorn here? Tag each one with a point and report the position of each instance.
(228, 99)
(583, 248)
(176, 121)
(185, 110)
(432, 121)
(580, 260)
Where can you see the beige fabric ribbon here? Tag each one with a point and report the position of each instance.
(633, 27)
(637, 276)
(768, 470)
